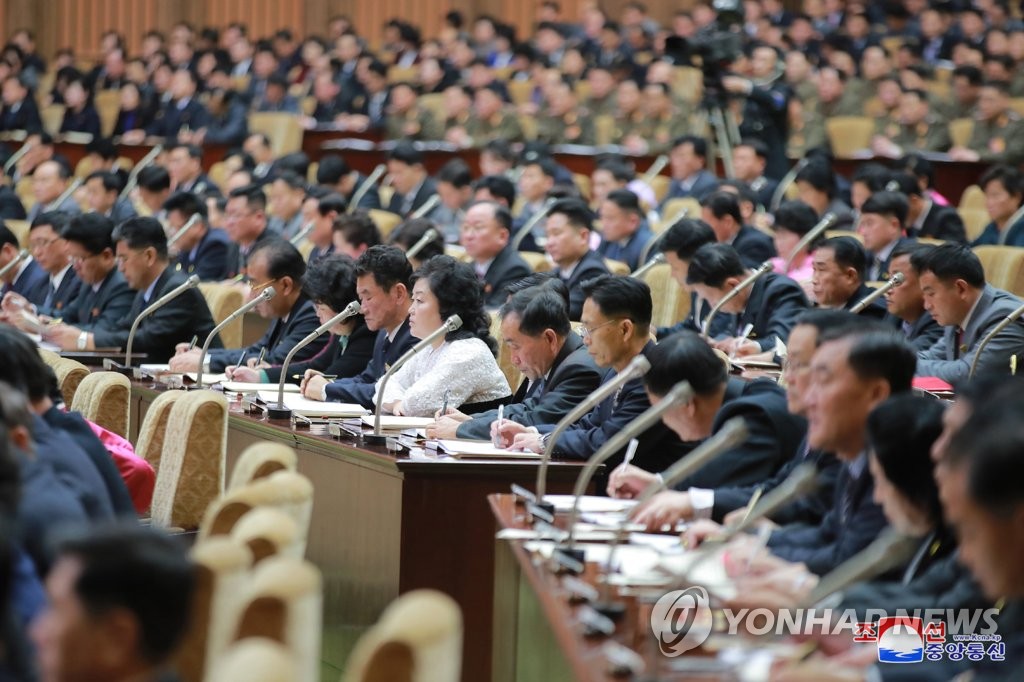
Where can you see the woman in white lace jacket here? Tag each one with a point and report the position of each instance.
(461, 362)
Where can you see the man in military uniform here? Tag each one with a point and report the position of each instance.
(967, 81)
(564, 122)
(998, 135)
(662, 122)
(405, 119)
(601, 100)
(629, 118)
(915, 129)
(833, 97)
(458, 102)
(765, 109)
(491, 119)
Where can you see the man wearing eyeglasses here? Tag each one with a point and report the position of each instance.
(245, 221)
(52, 293)
(275, 264)
(141, 257)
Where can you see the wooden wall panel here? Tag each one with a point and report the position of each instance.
(80, 23)
(263, 16)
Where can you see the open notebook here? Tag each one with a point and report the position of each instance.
(481, 449)
(313, 408)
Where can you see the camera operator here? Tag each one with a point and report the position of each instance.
(764, 109)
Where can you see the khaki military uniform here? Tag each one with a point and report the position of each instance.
(931, 135)
(660, 132)
(575, 127)
(1000, 140)
(604, 106)
(627, 125)
(847, 105)
(502, 126)
(807, 134)
(415, 124)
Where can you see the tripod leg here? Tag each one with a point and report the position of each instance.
(718, 121)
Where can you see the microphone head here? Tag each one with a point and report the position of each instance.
(639, 365)
(268, 293)
(353, 308)
(23, 254)
(898, 278)
(193, 280)
(829, 218)
(452, 323)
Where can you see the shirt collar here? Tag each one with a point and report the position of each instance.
(970, 313)
(148, 294)
(56, 280)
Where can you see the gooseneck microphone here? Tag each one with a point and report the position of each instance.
(894, 281)
(1003, 324)
(190, 283)
(264, 295)
(761, 271)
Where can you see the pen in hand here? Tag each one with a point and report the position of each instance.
(192, 343)
(444, 403)
(501, 422)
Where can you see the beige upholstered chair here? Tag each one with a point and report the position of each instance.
(192, 467)
(616, 267)
(261, 460)
(386, 221)
(108, 105)
(671, 302)
(150, 444)
(284, 130)
(102, 397)
(284, 603)
(222, 568)
(255, 659)
(674, 206)
(20, 230)
(268, 532)
(973, 197)
(418, 638)
(287, 491)
(69, 375)
(511, 372)
(224, 299)
(960, 131)
(1004, 267)
(975, 221)
(52, 116)
(849, 134)
(538, 261)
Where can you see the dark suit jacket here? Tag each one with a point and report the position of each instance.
(923, 334)
(775, 303)
(236, 261)
(25, 118)
(942, 222)
(883, 273)
(210, 259)
(201, 184)
(360, 389)
(84, 121)
(46, 502)
(506, 268)
(765, 188)
(74, 467)
(101, 309)
(73, 424)
(659, 447)
(628, 253)
(398, 201)
(721, 326)
(334, 360)
(877, 310)
(181, 319)
(775, 434)
(29, 279)
(991, 234)
(278, 340)
(231, 128)
(169, 119)
(571, 379)
(62, 298)
(754, 246)
(122, 211)
(810, 509)
(840, 535)
(370, 199)
(590, 266)
(705, 183)
(11, 207)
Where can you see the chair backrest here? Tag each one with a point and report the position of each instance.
(975, 220)
(538, 261)
(674, 206)
(261, 460)
(671, 302)
(604, 129)
(960, 131)
(108, 105)
(218, 173)
(973, 197)
(52, 116)
(287, 491)
(192, 467)
(284, 130)
(150, 443)
(23, 188)
(222, 570)
(268, 532)
(511, 372)
(103, 398)
(520, 92)
(284, 603)
(386, 221)
(616, 267)
(1004, 267)
(660, 184)
(255, 659)
(224, 299)
(418, 638)
(20, 230)
(849, 134)
(70, 374)
(582, 182)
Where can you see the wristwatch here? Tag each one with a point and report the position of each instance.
(83, 340)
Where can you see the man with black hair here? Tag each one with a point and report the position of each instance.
(329, 208)
(382, 284)
(925, 218)
(536, 180)
(905, 301)
(955, 293)
(284, 201)
(608, 175)
(119, 605)
(690, 176)
(816, 187)
(624, 230)
(185, 164)
(24, 278)
(721, 210)
(678, 244)
(492, 119)
(769, 307)
(141, 255)
(183, 110)
(455, 187)
(413, 187)
(50, 181)
(245, 222)
(496, 188)
(838, 280)
(335, 174)
(19, 111)
(49, 249)
(154, 188)
(203, 250)
(616, 328)
(567, 232)
(557, 368)
(353, 233)
(749, 160)
(998, 132)
(765, 105)
(485, 234)
(275, 264)
(881, 228)
(103, 189)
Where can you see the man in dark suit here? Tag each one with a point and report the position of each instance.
(23, 277)
(774, 433)
(102, 189)
(382, 283)
(335, 174)
(104, 297)
(955, 293)
(19, 110)
(559, 371)
(245, 221)
(616, 328)
(50, 182)
(185, 164)
(203, 250)
(413, 187)
(690, 176)
(141, 248)
(568, 229)
(277, 264)
(49, 249)
(749, 159)
(181, 111)
(624, 231)
(721, 210)
(881, 227)
(769, 307)
(11, 207)
(838, 279)
(906, 302)
(925, 218)
(485, 234)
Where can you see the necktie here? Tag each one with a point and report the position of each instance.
(959, 348)
(50, 293)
